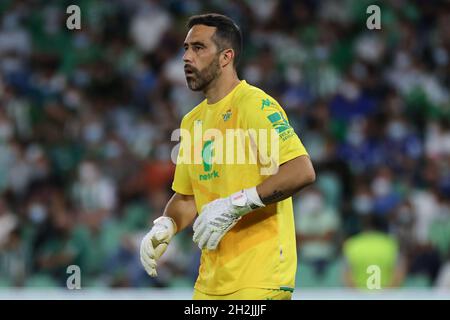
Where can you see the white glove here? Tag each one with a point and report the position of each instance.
(220, 215)
(155, 243)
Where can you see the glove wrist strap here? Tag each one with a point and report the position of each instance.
(167, 222)
(247, 199)
(253, 198)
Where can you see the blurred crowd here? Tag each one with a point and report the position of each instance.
(86, 118)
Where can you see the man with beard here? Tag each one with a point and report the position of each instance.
(245, 227)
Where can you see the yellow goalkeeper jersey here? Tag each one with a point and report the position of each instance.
(228, 146)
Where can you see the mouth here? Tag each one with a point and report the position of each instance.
(188, 72)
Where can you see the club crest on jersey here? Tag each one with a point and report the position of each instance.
(227, 115)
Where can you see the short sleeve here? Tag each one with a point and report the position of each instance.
(262, 112)
(182, 182)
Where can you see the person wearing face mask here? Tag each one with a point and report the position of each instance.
(94, 195)
(385, 195)
(8, 220)
(54, 255)
(401, 144)
(6, 127)
(13, 258)
(317, 225)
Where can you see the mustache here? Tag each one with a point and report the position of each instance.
(188, 68)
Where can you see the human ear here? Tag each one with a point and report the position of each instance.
(227, 56)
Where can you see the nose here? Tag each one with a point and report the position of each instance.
(187, 58)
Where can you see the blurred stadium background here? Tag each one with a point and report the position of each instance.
(86, 118)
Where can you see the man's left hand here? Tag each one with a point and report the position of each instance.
(220, 215)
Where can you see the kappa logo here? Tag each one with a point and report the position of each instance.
(266, 103)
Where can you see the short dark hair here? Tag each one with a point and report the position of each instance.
(375, 222)
(227, 32)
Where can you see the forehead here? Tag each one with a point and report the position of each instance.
(200, 33)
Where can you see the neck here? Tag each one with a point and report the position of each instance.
(220, 87)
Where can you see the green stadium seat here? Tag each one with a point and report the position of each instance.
(333, 275)
(4, 283)
(417, 281)
(41, 280)
(440, 236)
(181, 282)
(306, 277)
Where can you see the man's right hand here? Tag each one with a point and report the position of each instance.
(155, 243)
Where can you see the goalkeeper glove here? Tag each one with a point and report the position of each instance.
(220, 215)
(155, 243)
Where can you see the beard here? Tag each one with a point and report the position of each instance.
(200, 80)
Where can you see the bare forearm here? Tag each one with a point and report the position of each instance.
(182, 209)
(290, 178)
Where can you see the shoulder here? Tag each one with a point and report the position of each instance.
(351, 242)
(250, 100)
(391, 241)
(250, 93)
(192, 115)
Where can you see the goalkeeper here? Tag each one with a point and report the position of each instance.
(245, 225)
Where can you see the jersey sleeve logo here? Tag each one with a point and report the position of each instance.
(278, 121)
(266, 103)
